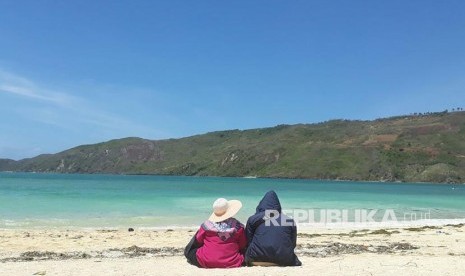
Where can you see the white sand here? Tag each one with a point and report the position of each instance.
(440, 252)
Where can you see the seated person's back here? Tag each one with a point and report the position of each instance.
(220, 240)
(271, 235)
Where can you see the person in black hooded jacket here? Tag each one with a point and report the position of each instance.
(271, 235)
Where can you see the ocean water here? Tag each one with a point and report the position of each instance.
(30, 200)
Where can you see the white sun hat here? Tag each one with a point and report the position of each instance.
(224, 209)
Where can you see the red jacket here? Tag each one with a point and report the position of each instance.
(222, 244)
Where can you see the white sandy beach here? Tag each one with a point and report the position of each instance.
(435, 250)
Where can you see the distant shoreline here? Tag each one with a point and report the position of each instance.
(242, 177)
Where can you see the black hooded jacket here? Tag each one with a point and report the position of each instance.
(269, 240)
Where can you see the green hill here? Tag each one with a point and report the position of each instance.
(427, 148)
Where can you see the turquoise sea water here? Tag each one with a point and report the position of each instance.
(30, 200)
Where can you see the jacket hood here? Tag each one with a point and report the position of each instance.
(269, 202)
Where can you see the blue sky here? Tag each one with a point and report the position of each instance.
(81, 72)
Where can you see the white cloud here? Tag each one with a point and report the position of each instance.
(65, 110)
(17, 85)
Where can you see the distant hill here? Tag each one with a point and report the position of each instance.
(5, 163)
(426, 148)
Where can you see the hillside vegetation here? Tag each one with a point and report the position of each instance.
(427, 148)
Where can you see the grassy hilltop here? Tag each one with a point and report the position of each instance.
(427, 148)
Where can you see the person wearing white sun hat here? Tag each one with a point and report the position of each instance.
(220, 241)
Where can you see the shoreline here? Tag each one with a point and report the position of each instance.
(241, 177)
(300, 227)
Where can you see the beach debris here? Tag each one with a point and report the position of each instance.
(47, 255)
(131, 229)
(305, 235)
(107, 231)
(355, 233)
(456, 225)
(128, 252)
(312, 250)
(40, 273)
(136, 251)
(384, 232)
(420, 229)
(336, 248)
